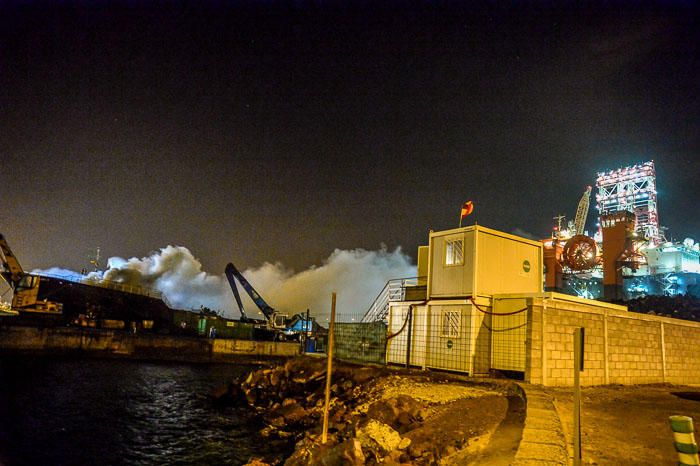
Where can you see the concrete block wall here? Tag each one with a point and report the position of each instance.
(682, 361)
(620, 347)
(634, 350)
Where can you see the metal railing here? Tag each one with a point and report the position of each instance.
(394, 290)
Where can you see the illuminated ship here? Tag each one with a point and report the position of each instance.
(49, 300)
(628, 256)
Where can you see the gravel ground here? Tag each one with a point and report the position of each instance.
(628, 424)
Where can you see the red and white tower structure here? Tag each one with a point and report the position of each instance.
(632, 189)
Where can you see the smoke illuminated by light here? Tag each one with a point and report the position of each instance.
(356, 275)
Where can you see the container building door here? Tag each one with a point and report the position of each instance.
(449, 337)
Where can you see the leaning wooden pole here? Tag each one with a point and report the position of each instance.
(329, 371)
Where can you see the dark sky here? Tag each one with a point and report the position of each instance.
(278, 131)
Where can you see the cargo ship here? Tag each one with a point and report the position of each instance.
(50, 300)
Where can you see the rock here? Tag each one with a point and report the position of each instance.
(404, 419)
(304, 378)
(250, 396)
(363, 374)
(256, 462)
(377, 436)
(383, 411)
(398, 412)
(337, 415)
(288, 401)
(292, 413)
(310, 451)
(275, 378)
(404, 443)
(419, 449)
(349, 453)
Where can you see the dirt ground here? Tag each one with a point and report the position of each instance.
(384, 416)
(464, 424)
(628, 424)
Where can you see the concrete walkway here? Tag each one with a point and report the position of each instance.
(543, 441)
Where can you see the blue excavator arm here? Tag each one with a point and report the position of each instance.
(233, 274)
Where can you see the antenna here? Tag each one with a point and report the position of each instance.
(95, 261)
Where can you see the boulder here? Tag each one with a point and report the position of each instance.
(399, 412)
(349, 453)
(290, 413)
(405, 443)
(379, 437)
(256, 462)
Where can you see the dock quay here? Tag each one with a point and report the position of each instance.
(120, 344)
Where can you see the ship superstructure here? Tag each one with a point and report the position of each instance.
(646, 264)
(631, 189)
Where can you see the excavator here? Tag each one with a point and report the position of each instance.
(278, 326)
(25, 286)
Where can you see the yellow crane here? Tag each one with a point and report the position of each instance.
(582, 212)
(25, 286)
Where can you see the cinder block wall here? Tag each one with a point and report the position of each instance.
(620, 347)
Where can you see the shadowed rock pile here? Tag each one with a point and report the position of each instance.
(370, 420)
(681, 307)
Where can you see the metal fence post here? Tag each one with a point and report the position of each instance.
(579, 335)
(409, 329)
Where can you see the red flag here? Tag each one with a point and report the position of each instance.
(467, 209)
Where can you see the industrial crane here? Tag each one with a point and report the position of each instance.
(279, 323)
(580, 251)
(25, 286)
(582, 212)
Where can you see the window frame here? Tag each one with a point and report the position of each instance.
(449, 259)
(451, 324)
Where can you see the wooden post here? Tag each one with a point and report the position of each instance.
(329, 369)
(579, 335)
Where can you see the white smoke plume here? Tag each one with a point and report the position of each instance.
(173, 271)
(356, 275)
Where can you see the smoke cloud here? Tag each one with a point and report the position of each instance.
(356, 275)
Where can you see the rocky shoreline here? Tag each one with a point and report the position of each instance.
(376, 416)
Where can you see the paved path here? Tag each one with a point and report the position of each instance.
(543, 441)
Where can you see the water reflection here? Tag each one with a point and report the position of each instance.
(58, 411)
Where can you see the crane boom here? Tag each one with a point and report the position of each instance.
(13, 271)
(25, 286)
(233, 274)
(582, 212)
(232, 281)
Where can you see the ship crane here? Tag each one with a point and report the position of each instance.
(580, 251)
(582, 212)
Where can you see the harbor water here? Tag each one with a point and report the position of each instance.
(60, 411)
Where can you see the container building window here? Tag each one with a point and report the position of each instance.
(454, 252)
(451, 322)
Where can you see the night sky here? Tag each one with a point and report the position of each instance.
(279, 131)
